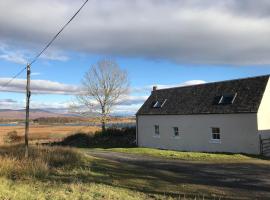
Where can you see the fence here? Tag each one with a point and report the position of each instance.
(265, 146)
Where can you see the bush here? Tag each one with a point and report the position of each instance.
(111, 137)
(41, 162)
(12, 137)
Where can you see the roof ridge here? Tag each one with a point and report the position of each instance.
(215, 82)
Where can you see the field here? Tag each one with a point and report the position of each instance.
(44, 133)
(65, 173)
(101, 173)
(86, 174)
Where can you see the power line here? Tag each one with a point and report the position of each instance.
(46, 47)
(52, 40)
(15, 76)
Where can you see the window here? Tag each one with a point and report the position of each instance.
(215, 135)
(176, 132)
(158, 104)
(225, 99)
(156, 130)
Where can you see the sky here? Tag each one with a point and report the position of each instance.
(165, 43)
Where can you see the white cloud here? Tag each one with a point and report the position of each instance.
(54, 55)
(187, 83)
(184, 31)
(9, 104)
(39, 87)
(131, 100)
(35, 73)
(127, 105)
(149, 88)
(11, 55)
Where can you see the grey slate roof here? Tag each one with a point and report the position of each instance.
(198, 99)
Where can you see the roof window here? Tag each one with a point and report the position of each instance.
(158, 104)
(225, 99)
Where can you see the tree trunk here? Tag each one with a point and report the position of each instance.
(103, 126)
(103, 120)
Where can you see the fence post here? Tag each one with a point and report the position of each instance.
(261, 145)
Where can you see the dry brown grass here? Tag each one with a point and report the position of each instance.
(47, 133)
(41, 162)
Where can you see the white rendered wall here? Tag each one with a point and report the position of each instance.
(264, 110)
(238, 132)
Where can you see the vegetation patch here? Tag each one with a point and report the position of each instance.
(42, 161)
(66, 173)
(13, 137)
(194, 156)
(111, 137)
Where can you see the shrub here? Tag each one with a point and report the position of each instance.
(12, 137)
(111, 137)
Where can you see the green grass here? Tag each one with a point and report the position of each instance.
(191, 156)
(67, 173)
(25, 190)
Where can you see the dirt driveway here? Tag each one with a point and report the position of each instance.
(242, 180)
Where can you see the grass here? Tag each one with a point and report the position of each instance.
(23, 190)
(45, 133)
(42, 161)
(67, 173)
(54, 172)
(193, 156)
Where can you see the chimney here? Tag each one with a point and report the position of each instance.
(154, 88)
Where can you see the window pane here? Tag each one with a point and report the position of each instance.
(216, 136)
(215, 130)
(157, 129)
(176, 131)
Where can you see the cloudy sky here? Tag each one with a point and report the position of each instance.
(159, 42)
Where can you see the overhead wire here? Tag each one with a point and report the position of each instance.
(14, 77)
(52, 40)
(46, 47)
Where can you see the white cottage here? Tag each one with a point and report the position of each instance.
(227, 116)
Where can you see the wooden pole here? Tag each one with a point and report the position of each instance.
(28, 95)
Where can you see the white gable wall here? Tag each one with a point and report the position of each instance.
(264, 110)
(238, 132)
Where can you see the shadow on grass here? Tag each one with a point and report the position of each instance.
(153, 177)
(132, 177)
(157, 178)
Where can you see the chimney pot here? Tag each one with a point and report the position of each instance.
(154, 88)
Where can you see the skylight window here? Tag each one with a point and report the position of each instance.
(225, 99)
(159, 104)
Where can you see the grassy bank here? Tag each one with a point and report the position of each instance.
(25, 190)
(66, 173)
(42, 161)
(193, 156)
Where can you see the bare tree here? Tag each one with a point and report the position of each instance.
(103, 85)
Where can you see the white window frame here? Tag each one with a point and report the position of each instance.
(217, 141)
(176, 136)
(156, 134)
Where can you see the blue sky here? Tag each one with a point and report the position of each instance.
(183, 44)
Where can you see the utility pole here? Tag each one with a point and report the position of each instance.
(28, 95)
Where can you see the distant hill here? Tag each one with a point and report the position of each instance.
(34, 113)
